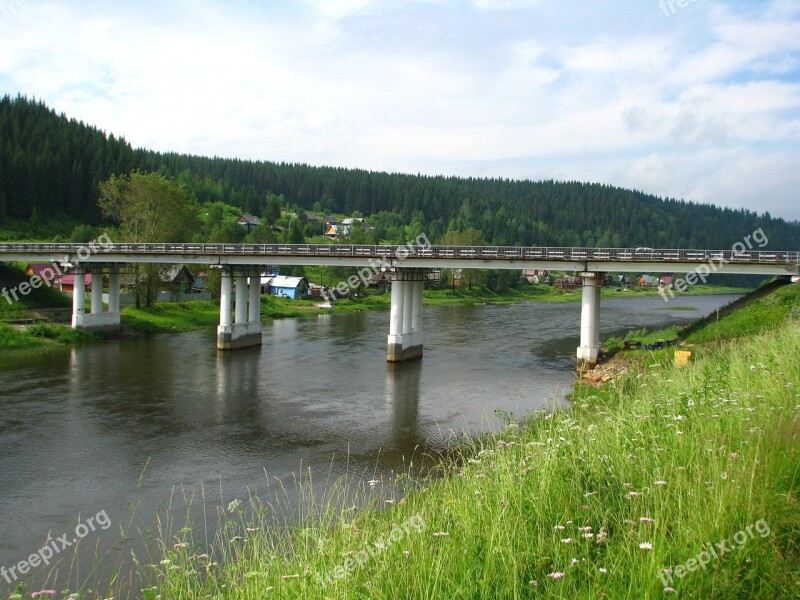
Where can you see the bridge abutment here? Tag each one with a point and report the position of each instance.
(97, 317)
(589, 351)
(405, 340)
(245, 329)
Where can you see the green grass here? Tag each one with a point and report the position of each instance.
(673, 460)
(762, 314)
(172, 316)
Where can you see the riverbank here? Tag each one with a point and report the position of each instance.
(667, 480)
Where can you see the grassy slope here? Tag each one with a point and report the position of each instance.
(671, 459)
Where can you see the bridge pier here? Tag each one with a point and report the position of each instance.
(589, 350)
(405, 339)
(97, 318)
(245, 330)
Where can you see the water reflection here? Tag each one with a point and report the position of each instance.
(402, 402)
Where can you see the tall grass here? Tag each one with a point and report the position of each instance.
(589, 503)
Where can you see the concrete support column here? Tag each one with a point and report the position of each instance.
(397, 310)
(97, 291)
(240, 309)
(78, 297)
(225, 299)
(113, 291)
(405, 324)
(241, 333)
(254, 303)
(597, 289)
(416, 313)
(408, 306)
(589, 350)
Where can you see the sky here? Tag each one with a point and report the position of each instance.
(691, 99)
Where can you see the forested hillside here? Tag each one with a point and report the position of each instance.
(50, 167)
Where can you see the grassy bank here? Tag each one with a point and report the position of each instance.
(652, 472)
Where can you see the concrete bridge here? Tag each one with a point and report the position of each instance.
(405, 266)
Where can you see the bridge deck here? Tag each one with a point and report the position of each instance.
(427, 257)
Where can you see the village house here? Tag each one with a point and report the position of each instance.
(283, 286)
(249, 222)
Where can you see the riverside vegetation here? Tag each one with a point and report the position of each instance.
(621, 496)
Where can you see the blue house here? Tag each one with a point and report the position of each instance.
(288, 287)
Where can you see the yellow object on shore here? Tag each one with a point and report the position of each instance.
(682, 358)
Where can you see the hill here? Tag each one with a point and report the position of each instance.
(50, 167)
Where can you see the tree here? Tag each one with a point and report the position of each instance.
(295, 233)
(469, 237)
(272, 210)
(147, 208)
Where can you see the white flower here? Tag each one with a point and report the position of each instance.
(646, 546)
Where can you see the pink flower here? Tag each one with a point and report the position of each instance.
(43, 593)
(556, 575)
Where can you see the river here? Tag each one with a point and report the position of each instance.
(112, 425)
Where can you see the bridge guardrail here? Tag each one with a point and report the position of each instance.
(463, 252)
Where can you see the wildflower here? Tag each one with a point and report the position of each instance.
(575, 561)
(43, 593)
(634, 494)
(584, 529)
(533, 583)
(556, 575)
(588, 536)
(734, 455)
(646, 546)
(295, 576)
(566, 541)
(165, 562)
(441, 534)
(661, 483)
(603, 570)
(646, 520)
(559, 527)
(233, 505)
(669, 590)
(373, 482)
(180, 545)
(252, 529)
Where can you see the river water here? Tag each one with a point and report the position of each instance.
(124, 423)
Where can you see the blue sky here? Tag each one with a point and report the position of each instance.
(700, 101)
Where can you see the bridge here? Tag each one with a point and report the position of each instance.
(405, 266)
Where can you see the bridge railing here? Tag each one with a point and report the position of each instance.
(573, 254)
